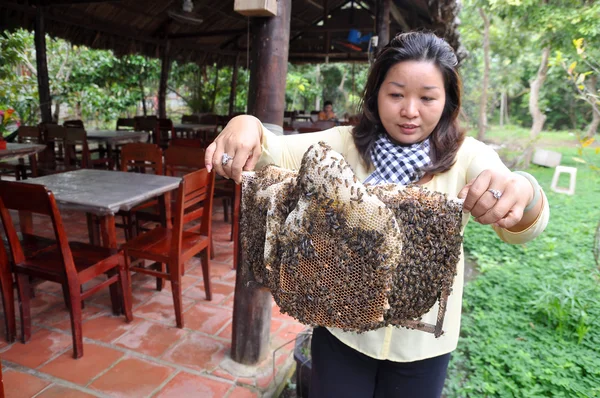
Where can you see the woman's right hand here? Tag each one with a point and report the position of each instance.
(241, 140)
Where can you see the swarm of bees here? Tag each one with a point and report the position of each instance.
(335, 252)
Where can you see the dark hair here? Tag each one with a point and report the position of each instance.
(447, 136)
(327, 103)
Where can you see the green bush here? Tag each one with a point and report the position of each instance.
(531, 320)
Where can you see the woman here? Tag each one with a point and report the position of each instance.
(408, 133)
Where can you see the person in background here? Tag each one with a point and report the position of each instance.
(327, 113)
(408, 132)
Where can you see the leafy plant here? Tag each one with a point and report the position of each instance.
(531, 320)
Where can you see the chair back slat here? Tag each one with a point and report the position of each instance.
(180, 160)
(142, 157)
(196, 189)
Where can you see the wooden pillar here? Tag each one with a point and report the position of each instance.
(165, 67)
(232, 92)
(268, 69)
(383, 22)
(251, 313)
(42, 67)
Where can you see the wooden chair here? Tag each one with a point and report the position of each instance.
(21, 168)
(181, 160)
(163, 132)
(72, 264)
(187, 142)
(75, 158)
(74, 123)
(31, 244)
(177, 245)
(145, 123)
(139, 158)
(194, 119)
(125, 124)
(53, 159)
(8, 298)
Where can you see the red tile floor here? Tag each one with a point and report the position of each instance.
(149, 357)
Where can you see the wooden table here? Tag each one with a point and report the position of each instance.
(20, 150)
(103, 193)
(204, 129)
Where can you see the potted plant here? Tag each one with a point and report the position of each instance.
(8, 123)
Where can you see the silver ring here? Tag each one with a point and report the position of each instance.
(225, 159)
(497, 194)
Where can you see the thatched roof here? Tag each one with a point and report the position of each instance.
(143, 26)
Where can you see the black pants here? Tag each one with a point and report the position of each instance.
(339, 371)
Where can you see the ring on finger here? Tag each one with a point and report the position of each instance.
(225, 159)
(496, 193)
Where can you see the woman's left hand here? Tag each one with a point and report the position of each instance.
(507, 210)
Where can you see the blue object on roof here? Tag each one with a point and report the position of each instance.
(355, 37)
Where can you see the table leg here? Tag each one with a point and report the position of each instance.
(93, 229)
(164, 202)
(109, 239)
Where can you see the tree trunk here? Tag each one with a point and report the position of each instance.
(56, 113)
(165, 67)
(318, 98)
(141, 83)
(232, 92)
(216, 87)
(539, 118)
(593, 127)
(42, 67)
(502, 107)
(382, 23)
(486, 76)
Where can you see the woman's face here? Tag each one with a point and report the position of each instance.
(411, 100)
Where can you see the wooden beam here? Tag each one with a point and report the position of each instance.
(85, 22)
(230, 32)
(42, 67)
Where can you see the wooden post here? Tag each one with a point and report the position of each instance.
(234, 78)
(251, 312)
(164, 78)
(266, 101)
(383, 22)
(268, 69)
(42, 67)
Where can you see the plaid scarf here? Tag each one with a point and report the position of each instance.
(396, 163)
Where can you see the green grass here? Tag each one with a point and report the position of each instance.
(521, 135)
(531, 320)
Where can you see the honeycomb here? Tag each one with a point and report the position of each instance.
(338, 253)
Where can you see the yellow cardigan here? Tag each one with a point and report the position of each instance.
(394, 343)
